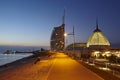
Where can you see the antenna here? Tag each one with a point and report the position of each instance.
(64, 17)
(73, 30)
(97, 23)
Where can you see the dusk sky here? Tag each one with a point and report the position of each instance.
(30, 22)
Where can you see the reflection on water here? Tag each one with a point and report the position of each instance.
(7, 58)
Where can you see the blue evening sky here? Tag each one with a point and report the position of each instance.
(30, 22)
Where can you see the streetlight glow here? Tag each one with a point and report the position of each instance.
(65, 34)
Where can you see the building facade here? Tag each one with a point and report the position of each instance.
(97, 44)
(57, 41)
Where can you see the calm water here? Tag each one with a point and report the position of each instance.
(7, 58)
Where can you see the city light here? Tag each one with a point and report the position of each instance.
(96, 54)
(65, 34)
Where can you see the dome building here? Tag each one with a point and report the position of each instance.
(98, 40)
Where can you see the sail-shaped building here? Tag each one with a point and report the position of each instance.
(57, 42)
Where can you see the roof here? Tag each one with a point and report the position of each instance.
(97, 38)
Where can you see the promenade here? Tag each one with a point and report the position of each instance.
(58, 67)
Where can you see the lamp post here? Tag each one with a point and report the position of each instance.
(65, 35)
(73, 40)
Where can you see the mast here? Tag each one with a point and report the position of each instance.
(97, 24)
(63, 20)
(73, 40)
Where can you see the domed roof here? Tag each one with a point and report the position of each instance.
(97, 38)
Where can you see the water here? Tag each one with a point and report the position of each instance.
(7, 58)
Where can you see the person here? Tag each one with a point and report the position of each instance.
(37, 60)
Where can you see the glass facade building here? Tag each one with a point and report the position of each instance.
(57, 42)
(98, 39)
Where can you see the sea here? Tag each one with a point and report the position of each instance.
(8, 58)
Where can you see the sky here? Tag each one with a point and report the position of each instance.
(30, 22)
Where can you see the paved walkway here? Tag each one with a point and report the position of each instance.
(58, 67)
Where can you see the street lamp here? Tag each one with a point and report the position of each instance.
(65, 34)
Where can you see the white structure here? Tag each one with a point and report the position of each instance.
(97, 39)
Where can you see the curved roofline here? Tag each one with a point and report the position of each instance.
(97, 38)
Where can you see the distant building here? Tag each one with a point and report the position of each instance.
(77, 46)
(98, 40)
(57, 42)
(97, 47)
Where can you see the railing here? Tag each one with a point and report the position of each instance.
(76, 54)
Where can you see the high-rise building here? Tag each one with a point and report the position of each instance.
(57, 42)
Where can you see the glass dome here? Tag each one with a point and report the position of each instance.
(97, 38)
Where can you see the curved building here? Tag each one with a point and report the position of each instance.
(57, 38)
(98, 39)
